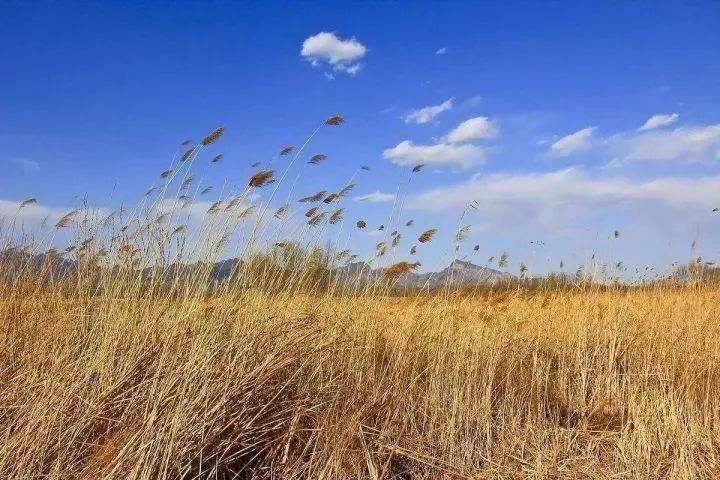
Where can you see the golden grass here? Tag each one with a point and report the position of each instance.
(514, 384)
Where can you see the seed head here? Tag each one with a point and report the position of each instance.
(427, 235)
(261, 178)
(334, 120)
(213, 136)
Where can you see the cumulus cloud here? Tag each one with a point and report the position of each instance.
(463, 156)
(426, 114)
(341, 55)
(376, 197)
(689, 145)
(575, 142)
(659, 121)
(571, 187)
(478, 128)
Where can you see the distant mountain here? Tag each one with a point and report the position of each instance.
(458, 273)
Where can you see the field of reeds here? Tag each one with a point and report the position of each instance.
(136, 344)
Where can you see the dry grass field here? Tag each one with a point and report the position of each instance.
(126, 367)
(593, 384)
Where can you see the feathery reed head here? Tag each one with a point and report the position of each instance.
(66, 219)
(186, 183)
(261, 178)
(361, 224)
(311, 212)
(286, 150)
(314, 198)
(396, 240)
(217, 158)
(316, 159)
(213, 136)
(206, 190)
(256, 164)
(400, 268)
(334, 120)
(166, 173)
(427, 235)
(188, 153)
(413, 250)
(27, 202)
(336, 216)
(418, 167)
(281, 211)
(317, 219)
(502, 262)
(331, 198)
(186, 142)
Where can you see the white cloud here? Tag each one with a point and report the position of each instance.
(464, 156)
(689, 145)
(426, 114)
(441, 51)
(376, 197)
(342, 55)
(659, 121)
(572, 188)
(573, 143)
(478, 128)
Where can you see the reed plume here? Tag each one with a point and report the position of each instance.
(281, 211)
(213, 136)
(418, 167)
(166, 173)
(336, 216)
(311, 212)
(286, 150)
(400, 268)
(502, 262)
(188, 153)
(313, 198)
(317, 219)
(66, 219)
(206, 190)
(217, 158)
(334, 120)
(361, 224)
(427, 235)
(27, 202)
(261, 178)
(316, 159)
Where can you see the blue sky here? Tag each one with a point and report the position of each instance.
(582, 117)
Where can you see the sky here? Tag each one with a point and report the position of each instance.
(560, 121)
